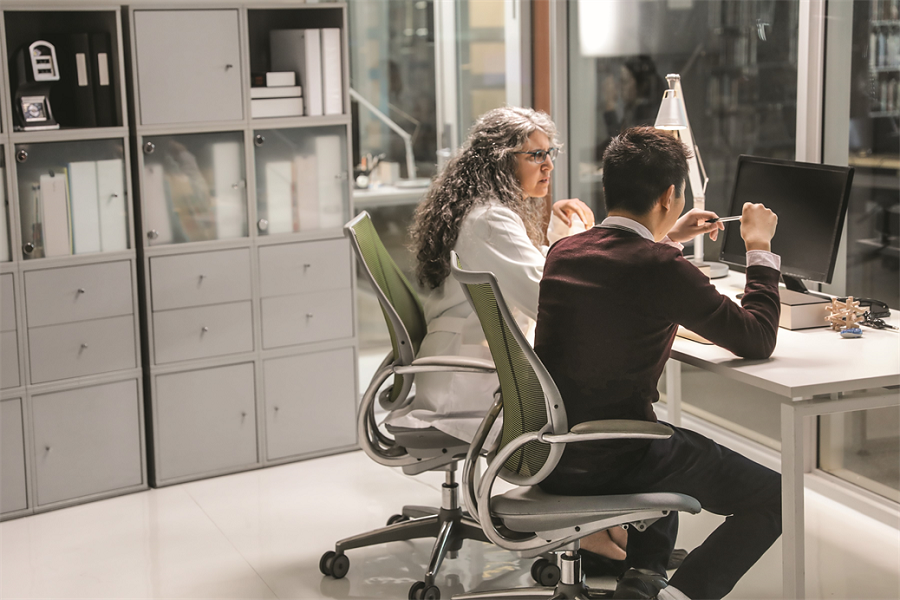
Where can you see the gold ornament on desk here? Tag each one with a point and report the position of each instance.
(844, 314)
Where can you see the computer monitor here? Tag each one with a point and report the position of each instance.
(811, 203)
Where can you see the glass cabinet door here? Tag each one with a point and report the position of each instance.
(194, 187)
(5, 255)
(301, 179)
(72, 197)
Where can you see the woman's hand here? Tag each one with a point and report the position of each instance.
(563, 208)
(693, 223)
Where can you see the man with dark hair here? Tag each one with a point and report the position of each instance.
(611, 300)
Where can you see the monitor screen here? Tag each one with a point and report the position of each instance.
(810, 201)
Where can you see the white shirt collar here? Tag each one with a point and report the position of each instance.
(630, 224)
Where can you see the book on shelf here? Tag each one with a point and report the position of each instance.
(262, 108)
(306, 191)
(281, 79)
(84, 196)
(289, 91)
(56, 225)
(279, 200)
(111, 202)
(104, 102)
(72, 97)
(331, 183)
(228, 192)
(332, 80)
(299, 50)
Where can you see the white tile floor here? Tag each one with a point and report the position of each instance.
(260, 535)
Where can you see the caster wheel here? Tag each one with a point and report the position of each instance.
(545, 573)
(431, 593)
(334, 565)
(415, 591)
(397, 519)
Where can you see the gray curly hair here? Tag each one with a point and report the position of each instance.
(485, 168)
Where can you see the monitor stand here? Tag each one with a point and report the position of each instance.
(795, 284)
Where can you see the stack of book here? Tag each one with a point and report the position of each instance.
(280, 97)
(315, 56)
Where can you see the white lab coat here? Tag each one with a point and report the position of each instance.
(491, 238)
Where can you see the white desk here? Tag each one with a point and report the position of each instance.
(813, 362)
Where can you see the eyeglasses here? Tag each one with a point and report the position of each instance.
(539, 156)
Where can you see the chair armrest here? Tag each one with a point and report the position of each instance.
(613, 429)
(463, 364)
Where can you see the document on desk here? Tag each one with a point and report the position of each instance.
(690, 335)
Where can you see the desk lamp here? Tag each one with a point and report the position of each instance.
(672, 116)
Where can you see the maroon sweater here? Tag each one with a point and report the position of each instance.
(610, 304)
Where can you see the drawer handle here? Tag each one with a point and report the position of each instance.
(201, 278)
(83, 348)
(276, 409)
(243, 416)
(309, 315)
(81, 291)
(48, 449)
(152, 234)
(204, 329)
(306, 266)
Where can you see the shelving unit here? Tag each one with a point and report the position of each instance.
(72, 406)
(249, 333)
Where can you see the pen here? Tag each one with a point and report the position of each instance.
(723, 219)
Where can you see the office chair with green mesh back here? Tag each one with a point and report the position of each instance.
(413, 450)
(534, 434)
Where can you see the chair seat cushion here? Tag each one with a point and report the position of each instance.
(424, 438)
(532, 509)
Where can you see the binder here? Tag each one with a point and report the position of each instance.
(101, 68)
(72, 97)
(85, 209)
(278, 197)
(56, 226)
(229, 200)
(4, 225)
(299, 50)
(111, 201)
(306, 191)
(332, 80)
(331, 181)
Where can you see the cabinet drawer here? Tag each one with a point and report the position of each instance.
(87, 441)
(203, 331)
(289, 320)
(310, 403)
(206, 421)
(307, 267)
(77, 349)
(78, 293)
(12, 457)
(7, 303)
(198, 279)
(9, 359)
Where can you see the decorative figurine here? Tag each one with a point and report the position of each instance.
(844, 315)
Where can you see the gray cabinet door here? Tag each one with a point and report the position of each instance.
(202, 331)
(78, 293)
(86, 441)
(12, 457)
(201, 278)
(305, 318)
(188, 65)
(9, 359)
(83, 348)
(310, 403)
(206, 421)
(306, 267)
(7, 303)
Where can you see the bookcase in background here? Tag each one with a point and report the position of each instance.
(248, 324)
(71, 405)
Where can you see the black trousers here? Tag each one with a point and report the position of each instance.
(724, 482)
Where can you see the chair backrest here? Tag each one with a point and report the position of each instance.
(531, 400)
(399, 302)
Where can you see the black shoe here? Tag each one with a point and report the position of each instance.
(639, 584)
(596, 565)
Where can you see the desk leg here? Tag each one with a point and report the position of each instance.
(792, 510)
(673, 391)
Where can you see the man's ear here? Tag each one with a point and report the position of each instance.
(667, 198)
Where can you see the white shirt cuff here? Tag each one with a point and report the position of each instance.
(763, 258)
(669, 242)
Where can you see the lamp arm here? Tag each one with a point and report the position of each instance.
(407, 139)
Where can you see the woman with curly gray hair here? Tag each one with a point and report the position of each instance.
(488, 205)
